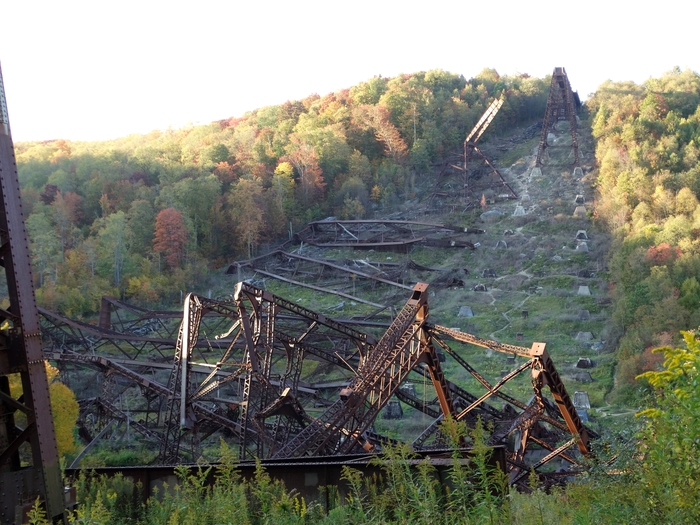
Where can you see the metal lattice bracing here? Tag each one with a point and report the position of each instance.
(459, 179)
(562, 105)
(340, 428)
(21, 353)
(259, 393)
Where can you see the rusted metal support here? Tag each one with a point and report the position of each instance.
(562, 105)
(21, 352)
(463, 181)
(266, 342)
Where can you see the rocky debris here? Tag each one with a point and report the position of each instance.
(584, 362)
(465, 311)
(583, 377)
(581, 400)
(584, 336)
(409, 389)
(392, 410)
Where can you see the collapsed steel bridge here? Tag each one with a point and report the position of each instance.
(281, 381)
(465, 179)
(562, 106)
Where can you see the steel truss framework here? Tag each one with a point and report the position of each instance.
(34, 442)
(562, 105)
(461, 183)
(382, 235)
(351, 279)
(282, 381)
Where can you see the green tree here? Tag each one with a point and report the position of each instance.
(114, 240)
(667, 471)
(245, 205)
(45, 247)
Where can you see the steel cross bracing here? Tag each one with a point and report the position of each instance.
(340, 428)
(562, 105)
(256, 393)
(458, 179)
(21, 353)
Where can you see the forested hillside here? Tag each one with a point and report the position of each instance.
(146, 216)
(648, 142)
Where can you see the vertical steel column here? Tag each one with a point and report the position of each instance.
(561, 105)
(22, 353)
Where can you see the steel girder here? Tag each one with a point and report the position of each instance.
(21, 352)
(458, 179)
(258, 394)
(562, 105)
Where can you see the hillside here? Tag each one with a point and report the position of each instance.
(532, 260)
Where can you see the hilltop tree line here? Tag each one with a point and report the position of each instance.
(145, 216)
(648, 145)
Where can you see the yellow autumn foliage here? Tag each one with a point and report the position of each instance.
(64, 408)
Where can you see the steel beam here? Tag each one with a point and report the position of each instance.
(22, 351)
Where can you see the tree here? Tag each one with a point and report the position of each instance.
(667, 471)
(281, 195)
(170, 236)
(245, 201)
(141, 220)
(196, 198)
(305, 161)
(45, 246)
(377, 119)
(65, 213)
(64, 408)
(114, 237)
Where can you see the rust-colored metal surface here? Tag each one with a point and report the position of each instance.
(29, 466)
(562, 106)
(281, 381)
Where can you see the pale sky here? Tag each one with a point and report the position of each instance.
(102, 69)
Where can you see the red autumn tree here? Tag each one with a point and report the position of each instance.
(662, 254)
(170, 236)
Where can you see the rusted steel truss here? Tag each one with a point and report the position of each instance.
(355, 280)
(460, 182)
(562, 105)
(256, 383)
(382, 235)
(34, 442)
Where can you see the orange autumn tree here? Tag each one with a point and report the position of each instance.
(170, 236)
(303, 157)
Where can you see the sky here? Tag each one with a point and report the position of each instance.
(98, 70)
